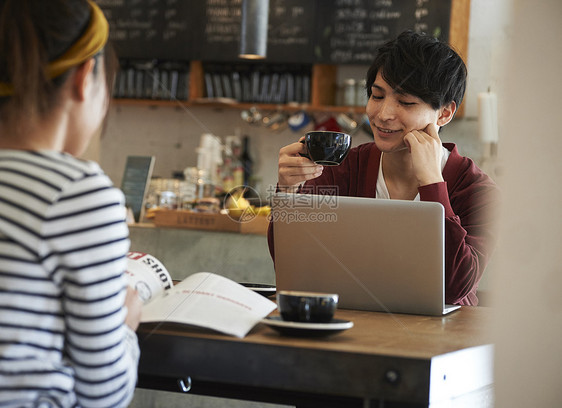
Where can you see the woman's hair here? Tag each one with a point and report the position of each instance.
(32, 34)
(422, 66)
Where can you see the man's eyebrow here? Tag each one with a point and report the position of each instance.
(398, 91)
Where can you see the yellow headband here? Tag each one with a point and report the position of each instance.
(92, 41)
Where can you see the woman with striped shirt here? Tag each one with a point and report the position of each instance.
(67, 320)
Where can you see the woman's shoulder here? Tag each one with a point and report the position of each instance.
(75, 167)
(54, 174)
(48, 162)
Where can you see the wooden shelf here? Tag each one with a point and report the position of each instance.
(323, 95)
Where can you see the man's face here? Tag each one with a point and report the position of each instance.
(392, 115)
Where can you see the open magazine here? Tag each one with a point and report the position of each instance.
(203, 299)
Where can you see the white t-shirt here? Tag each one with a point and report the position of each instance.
(382, 191)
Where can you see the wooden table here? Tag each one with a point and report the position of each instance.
(385, 360)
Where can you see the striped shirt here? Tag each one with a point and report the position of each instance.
(63, 246)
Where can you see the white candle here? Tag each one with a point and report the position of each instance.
(488, 117)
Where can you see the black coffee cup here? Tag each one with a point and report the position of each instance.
(326, 148)
(308, 307)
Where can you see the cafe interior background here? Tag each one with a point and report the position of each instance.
(496, 29)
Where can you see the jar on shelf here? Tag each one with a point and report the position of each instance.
(153, 194)
(187, 195)
(169, 192)
(168, 200)
(205, 187)
(349, 92)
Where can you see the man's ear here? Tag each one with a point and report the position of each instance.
(83, 79)
(446, 114)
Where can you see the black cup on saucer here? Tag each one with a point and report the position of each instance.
(307, 307)
(326, 148)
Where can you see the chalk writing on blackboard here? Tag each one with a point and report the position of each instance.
(291, 31)
(222, 21)
(158, 29)
(352, 30)
(299, 31)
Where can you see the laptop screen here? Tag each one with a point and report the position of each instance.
(378, 255)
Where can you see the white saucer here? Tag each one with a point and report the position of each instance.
(303, 329)
(261, 288)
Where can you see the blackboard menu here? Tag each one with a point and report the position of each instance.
(299, 31)
(146, 29)
(350, 31)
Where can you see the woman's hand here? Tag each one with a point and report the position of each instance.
(425, 148)
(295, 169)
(133, 303)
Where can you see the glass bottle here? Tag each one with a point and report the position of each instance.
(349, 96)
(247, 162)
(237, 167)
(227, 176)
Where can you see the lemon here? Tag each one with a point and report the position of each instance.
(264, 211)
(237, 201)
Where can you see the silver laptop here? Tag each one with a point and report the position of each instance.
(378, 255)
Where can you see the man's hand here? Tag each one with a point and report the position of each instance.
(425, 148)
(295, 169)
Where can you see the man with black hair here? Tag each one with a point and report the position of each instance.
(415, 85)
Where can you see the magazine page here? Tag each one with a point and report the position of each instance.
(208, 300)
(147, 275)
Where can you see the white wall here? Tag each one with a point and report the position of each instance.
(172, 134)
(528, 280)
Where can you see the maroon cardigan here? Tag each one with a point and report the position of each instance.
(470, 199)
